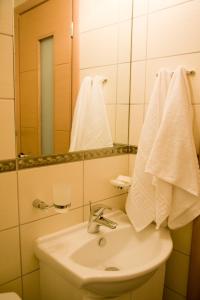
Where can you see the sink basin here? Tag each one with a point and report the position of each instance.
(108, 263)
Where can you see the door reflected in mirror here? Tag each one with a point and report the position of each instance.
(58, 45)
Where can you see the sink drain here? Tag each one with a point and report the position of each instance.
(111, 269)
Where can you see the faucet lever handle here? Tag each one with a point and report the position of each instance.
(98, 209)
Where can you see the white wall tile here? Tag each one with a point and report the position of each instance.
(38, 183)
(139, 36)
(115, 203)
(138, 81)
(97, 176)
(124, 42)
(6, 16)
(123, 83)
(175, 29)
(125, 9)
(6, 67)
(189, 61)
(122, 118)
(31, 231)
(98, 47)
(31, 286)
(140, 7)
(9, 255)
(95, 14)
(110, 86)
(12, 286)
(177, 272)
(136, 122)
(8, 203)
(7, 129)
(160, 4)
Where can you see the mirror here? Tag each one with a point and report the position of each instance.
(58, 43)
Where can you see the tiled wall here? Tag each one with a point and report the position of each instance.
(166, 34)
(105, 43)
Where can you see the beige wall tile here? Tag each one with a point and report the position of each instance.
(136, 122)
(12, 286)
(8, 203)
(30, 232)
(38, 183)
(122, 118)
(111, 111)
(95, 14)
(92, 54)
(125, 9)
(98, 173)
(124, 42)
(140, 7)
(110, 86)
(6, 67)
(160, 4)
(171, 295)
(196, 126)
(123, 83)
(7, 129)
(177, 272)
(138, 70)
(115, 203)
(132, 158)
(61, 141)
(9, 255)
(6, 16)
(139, 36)
(176, 30)
(31, 286)
(182, 239)
(189, 61)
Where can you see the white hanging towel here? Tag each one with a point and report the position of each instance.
(84, 97)
(173, 158)
(141, 204)
(90, 128)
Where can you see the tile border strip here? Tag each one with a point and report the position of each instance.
(41, 161)
(7, 165)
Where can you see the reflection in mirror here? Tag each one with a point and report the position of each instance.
(59, 44)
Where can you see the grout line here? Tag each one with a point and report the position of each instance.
(7, 282)
(107, 65)
(174, 291)
(6, 99)
(105, 26)
(181, 252)
(169, 56)
(9, 228)
(169, 7)
(6, 34)
(28, 273)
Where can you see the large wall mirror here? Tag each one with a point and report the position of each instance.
(58, 43)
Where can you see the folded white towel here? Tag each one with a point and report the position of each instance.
(90, 128)
(173, 159)
(140, 204)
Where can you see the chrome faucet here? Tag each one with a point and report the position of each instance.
(97, 219)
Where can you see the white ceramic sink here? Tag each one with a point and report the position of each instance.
(108, 263)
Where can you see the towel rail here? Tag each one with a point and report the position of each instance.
(189, 72)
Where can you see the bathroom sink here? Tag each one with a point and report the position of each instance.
(108, 263)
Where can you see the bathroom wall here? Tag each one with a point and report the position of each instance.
(166, 34)
(105, 48)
